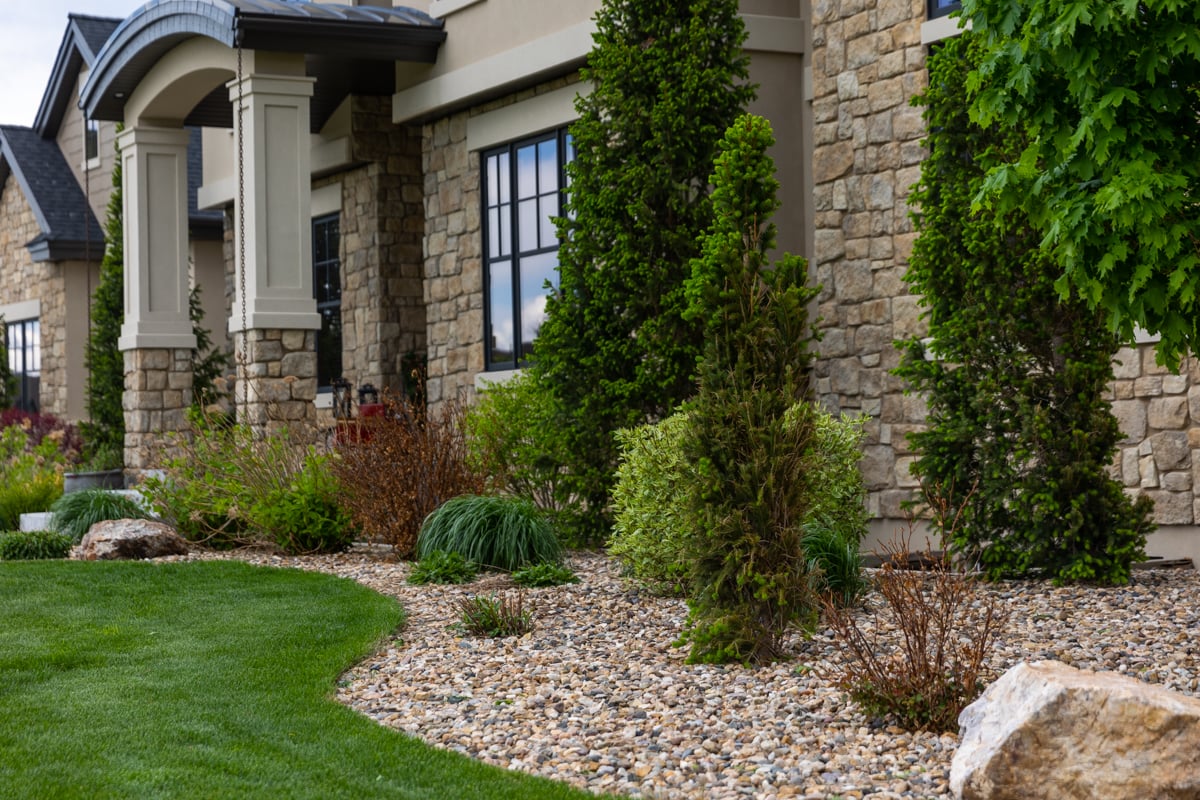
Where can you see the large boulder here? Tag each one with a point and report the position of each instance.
(1046, 730)
(130, 539)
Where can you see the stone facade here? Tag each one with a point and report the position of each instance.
(22, 279)
(454, 298)
(158, 391)
(383, 307)
(868, 61)
(282, 376)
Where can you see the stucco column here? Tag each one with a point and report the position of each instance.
(156, 335)
(275, 326)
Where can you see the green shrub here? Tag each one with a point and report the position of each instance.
(657, 490)
(76, 512)
(540, 575)
(30, 474)
(1020, 431)
(834, 562)
(496, 532)
(654, 506)
(442, 567)
(512, 432)
(305, 516)
(31, 545)
(229, 487)
(495, 617)
(752, 434)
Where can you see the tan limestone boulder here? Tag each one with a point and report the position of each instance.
(130, 539)
(1046, 730)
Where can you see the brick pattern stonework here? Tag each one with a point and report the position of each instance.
(22, 279)
(868, 61)
(382, 225)
(282, 376)
(453, 249)
(158, 391)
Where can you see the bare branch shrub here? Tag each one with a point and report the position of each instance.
(402, 466)
(946, 630)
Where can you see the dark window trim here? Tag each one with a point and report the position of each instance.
(91, 140)
(28, 380)
(323, 305)
(561, 135)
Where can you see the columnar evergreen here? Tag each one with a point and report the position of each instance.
(668, 77)
(1020, 433)
(751, 437)
(104, 433)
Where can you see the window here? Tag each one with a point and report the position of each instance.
(940, 8)
(523, 184)
(24, 342)
(327, 289)
(91, 140)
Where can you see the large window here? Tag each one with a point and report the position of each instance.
(327, 288)
(523, 184)
(24, 342)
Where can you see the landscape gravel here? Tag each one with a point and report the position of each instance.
(597, 696)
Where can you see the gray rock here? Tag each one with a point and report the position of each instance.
(129, 539)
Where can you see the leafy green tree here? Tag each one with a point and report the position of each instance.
(104, 432)
(667, 78)
(751, 438)
(1020, 434)
(1110, 173)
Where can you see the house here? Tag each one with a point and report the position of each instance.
(55, 182)
(365, 160)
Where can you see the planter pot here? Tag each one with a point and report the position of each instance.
(104, 479)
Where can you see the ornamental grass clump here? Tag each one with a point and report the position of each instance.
(494, 531)
(495, 617)
(34, 545)
(75, 513)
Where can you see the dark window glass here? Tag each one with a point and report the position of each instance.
(523, 186)
(327, 289)
(24, 342)
(91, 139)
(940, 8)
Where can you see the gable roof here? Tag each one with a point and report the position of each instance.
(69, 228)
(81, 44)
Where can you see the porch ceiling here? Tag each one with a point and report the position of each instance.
(347, 49)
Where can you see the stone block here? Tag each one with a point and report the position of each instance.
(853, 281)
(1174, 384)
(1172, 508)
(1193, 396)
(299, 364)
(877, 466)
(1131, 417)
(266, 350)
(1148, 387)
(1149, 472)
(1130, 471)
(1176, 481)
(1171, 450)
(907, 322)
(293, 340)
(832, 162)
(1127, 364)
(1168, 413)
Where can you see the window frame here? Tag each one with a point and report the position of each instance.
(91, 142)
(565, 151)
(318, 223)
(935, 8)
(28, 381)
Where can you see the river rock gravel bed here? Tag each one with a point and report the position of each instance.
(596, 695)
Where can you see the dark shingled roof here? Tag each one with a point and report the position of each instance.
(81, 43)
(347, 48)
(69, 228)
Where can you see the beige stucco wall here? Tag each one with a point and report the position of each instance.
(96, 175)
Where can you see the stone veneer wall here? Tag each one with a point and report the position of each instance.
(282, 378)
(158, 390)
(453, 249)
(382, 225)
(22, 279)
(868, 61)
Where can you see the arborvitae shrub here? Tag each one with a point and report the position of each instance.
(752, 438)
(667, 79)
(1021, 435)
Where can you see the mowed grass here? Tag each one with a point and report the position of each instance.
(204, 680)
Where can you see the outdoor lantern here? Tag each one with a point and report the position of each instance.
(341, 398)
(367, 395)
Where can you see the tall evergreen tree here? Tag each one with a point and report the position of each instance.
(668, 77)
(104, 432)
(1020, 434)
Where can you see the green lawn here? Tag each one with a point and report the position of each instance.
(204, 680)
